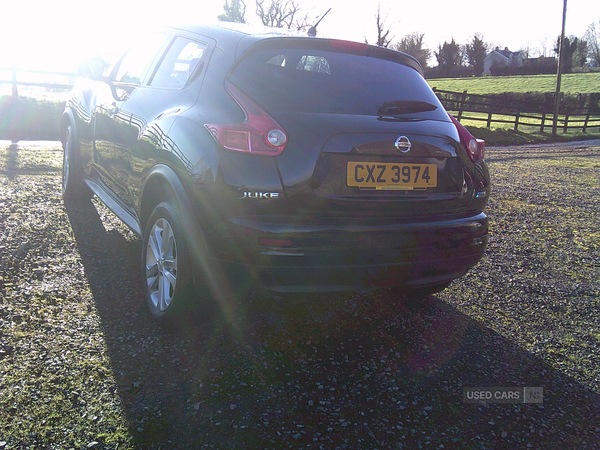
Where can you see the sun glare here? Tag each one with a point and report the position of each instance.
(56, 36)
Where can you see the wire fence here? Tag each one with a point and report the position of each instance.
(56, 81)
(32, 102)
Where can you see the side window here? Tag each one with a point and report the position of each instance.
(138, 59)
(181, 63)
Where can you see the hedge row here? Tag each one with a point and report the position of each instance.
(30, 119)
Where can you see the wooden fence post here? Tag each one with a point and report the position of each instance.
(461, 105)
(517, 119)
(566, 123)
(543, 122)
(587, 118)
(13, 107)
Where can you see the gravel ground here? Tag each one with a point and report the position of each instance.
(83, 366)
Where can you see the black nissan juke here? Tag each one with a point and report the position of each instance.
(298, 163)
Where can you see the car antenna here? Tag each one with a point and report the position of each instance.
(312, 31)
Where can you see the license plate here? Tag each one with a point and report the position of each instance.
(391, 176)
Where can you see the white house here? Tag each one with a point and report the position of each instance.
(502, 58)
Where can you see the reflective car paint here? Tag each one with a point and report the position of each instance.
(139, 144)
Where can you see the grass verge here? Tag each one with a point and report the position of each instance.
(30, 119)
(572, 83)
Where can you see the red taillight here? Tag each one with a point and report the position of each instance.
(475, 147)
(348, 45)
(259, 134)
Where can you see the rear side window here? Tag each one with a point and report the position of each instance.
(181, 63)
(137, 61)
(321, 81)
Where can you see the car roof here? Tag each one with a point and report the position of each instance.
(233, 30)
(229, 35)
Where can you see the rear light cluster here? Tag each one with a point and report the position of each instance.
(475, 147)
(259, 134)
(348, 45)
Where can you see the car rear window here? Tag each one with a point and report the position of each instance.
(320, 81)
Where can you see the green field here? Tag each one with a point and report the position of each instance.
(573, 83)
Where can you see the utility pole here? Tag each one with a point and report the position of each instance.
(559, 72)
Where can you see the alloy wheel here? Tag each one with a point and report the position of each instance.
(161, 264)
(67, 160)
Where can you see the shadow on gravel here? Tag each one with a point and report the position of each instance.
(20, 160)
(11, 162)
(343, 371)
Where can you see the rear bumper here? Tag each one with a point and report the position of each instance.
(337, 257)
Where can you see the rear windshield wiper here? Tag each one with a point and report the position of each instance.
(399, 107)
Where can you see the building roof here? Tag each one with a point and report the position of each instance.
(506, 53)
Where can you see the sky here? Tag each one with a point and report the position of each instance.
(57, 35)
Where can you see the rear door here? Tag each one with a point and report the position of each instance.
(138, 131)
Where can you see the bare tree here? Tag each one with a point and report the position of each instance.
(592, 37)
(279, 13)
(304, 23)
(382, 32)
(234, 12)
(544, 47)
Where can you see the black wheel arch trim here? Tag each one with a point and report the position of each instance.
(205, 273)
(159, 176)
(66, 118)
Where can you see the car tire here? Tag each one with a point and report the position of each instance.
(166, 266)
(73, 187)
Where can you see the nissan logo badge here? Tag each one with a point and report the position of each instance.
(402, 144)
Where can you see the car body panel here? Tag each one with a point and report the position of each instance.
(140, 144)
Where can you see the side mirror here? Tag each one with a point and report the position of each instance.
(92, 68)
